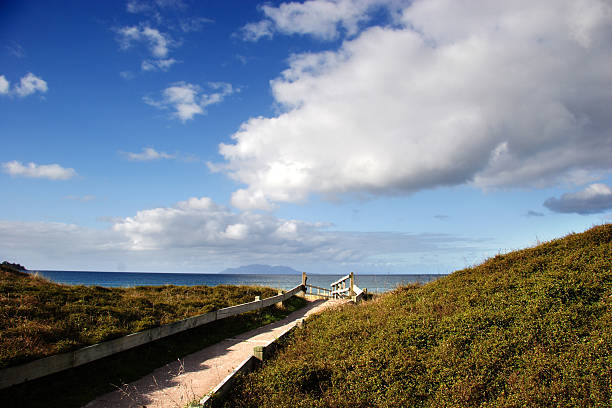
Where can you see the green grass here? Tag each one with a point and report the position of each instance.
(532, 328)
(39, 318)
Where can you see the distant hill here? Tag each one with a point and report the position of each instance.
(14, 266)
(258, 269)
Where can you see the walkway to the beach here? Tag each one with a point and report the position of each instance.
(181, 382)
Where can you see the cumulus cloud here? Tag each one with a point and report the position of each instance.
(157, 42)
(198, 234)
(188, 100)
(324, 19)
(4, 85)
(148, 154)
(28, 85)
(33, 170)
(202, 226)
(199, 222)
(491, 94)
(594, 199)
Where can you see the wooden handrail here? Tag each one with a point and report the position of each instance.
(318, 287)
(338, 291)
(341, 279)
(59, 362)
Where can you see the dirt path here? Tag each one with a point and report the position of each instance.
(181, 382)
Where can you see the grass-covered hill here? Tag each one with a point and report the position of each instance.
(532, 328)
(40, 318)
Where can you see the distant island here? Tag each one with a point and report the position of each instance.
(257, 269)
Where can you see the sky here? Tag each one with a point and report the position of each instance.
(374, 136)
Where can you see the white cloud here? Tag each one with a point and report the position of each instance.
(161, 64)
(199, 222)
(188, 100)
(147, 154)
(200, 235)
(324, 19)
(4, 85)
(256, 31)
(200, 226)
(489, 93)
(30, 84)
(33, 170)
(158, 43)
(596, 198)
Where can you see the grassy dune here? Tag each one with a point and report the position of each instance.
(532, 328)
(40, 318)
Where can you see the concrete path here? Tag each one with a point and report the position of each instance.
(178, 383)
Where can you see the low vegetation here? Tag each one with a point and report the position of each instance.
(39, 318)
(48, 318)
(531, 328)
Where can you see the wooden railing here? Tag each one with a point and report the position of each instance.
(344, 287)
(324, 292)
(60, 362)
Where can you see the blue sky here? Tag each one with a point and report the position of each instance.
(380, 136)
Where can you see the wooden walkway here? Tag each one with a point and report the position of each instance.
(178, 383)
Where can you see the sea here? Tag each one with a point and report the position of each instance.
(374, 283)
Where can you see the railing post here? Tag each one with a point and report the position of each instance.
(280, 304)
(304, 278)
(351, 291)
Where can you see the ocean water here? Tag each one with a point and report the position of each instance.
(374, 283)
